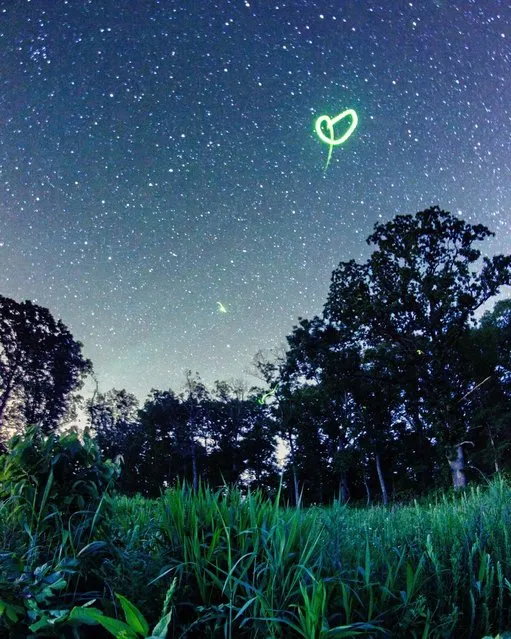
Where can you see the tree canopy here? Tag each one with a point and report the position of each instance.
(40, 366)
(395, 390)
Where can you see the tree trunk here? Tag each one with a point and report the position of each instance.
(344, 491)
(457, 465)
(368, 490)
(384, 494)
(194, 468)
(495, 457)
(293, 466)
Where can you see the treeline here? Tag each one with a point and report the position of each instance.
(218, 437)
(396, 390)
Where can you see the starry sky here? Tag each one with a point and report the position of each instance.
(159, 157)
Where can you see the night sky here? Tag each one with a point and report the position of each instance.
(157, 158)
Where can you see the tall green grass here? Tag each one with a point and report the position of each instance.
(245, 566)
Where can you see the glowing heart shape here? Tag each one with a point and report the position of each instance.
(330, 122)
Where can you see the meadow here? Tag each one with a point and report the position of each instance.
(223, 563)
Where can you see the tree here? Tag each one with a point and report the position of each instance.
(495, 333)
(40, 364)
(241, 438)
(282, 409)
(347, 401)
(113, 417)
(194, 401)
(164, 449)
(489, 400)
(417, 294)
(317, 373)
(258, 449)
(226, 429)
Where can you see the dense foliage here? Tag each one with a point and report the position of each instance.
(226, 564)
(40, 366)
(395, 391)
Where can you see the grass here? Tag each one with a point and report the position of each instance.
(246, 566)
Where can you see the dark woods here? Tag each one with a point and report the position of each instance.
(396, 390)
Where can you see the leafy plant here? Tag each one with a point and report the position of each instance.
(54, 490)
(135, 624)
(55, 474)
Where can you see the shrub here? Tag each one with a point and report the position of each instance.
(59, 474)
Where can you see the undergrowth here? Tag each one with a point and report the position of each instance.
(79, 561)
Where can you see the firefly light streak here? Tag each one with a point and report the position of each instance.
(329, 122)
(262, 399)
(221, 308)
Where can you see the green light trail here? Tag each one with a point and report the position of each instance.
(262, 399)
(329, 122)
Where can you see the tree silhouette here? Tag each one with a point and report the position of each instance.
(372, 397)
(489, 400)
(417, 293)
(113, 418)
(242, 438)
(40, 365)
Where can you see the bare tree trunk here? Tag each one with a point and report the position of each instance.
(384, 494)
(194, 468)
(293, 466)
(495, 457)
(457, 465)
(368, 491)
